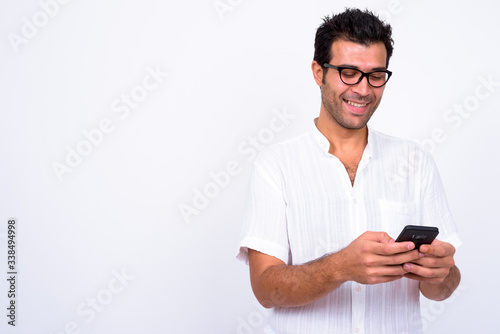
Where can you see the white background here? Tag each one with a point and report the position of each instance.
(230, 70)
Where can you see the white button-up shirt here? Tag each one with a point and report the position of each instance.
(303, 206)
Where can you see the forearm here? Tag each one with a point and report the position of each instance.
(369, 259)
(288, 286)
(442, 290)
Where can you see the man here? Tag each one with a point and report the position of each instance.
(325, 206)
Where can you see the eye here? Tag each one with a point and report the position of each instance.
(378, 76)
(350, 73)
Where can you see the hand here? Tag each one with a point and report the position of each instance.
(375, 258)
(435, 264)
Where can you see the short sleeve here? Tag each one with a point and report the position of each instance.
(434, 205)
(265, 228)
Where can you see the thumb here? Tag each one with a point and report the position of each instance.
(381, 237)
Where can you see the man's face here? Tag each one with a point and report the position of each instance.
(352, 106)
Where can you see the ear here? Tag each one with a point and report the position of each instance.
(317, 70)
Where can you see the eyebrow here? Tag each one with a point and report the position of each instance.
(357, 68)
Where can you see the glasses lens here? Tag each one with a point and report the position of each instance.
(350, 76)
(377, 79)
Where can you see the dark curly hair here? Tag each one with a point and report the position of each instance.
(362, 27)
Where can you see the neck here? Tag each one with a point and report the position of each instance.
(342, 140)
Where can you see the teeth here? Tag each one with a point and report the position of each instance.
(357, 105)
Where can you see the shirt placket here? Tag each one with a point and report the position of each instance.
(358, 291)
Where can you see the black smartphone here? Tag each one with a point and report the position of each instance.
(418, 234)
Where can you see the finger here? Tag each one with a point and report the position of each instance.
(381, 274)
(435, 262)
(392, 248)
(435, 280)
(377, 261)
(438, 248)
(391, 271)
(381, 237)
(416, 277)
(407, 257)
(383, 279)
(425, 274)
(432, 262)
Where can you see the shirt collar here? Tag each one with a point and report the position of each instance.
(324, 144)
(319, 138)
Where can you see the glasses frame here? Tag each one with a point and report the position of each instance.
(363, 74)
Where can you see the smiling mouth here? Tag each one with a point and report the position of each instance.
(357, 105)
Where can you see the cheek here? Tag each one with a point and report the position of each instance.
(336, 92)
(379, 93)
(333, 93)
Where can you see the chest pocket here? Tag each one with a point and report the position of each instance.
(396, 215)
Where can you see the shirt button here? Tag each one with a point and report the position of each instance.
(356, 330)
(354, 201)
(358, 288)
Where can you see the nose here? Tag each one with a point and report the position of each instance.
(362, 88)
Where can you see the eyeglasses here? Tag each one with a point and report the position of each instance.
(352, 76)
